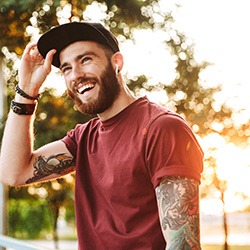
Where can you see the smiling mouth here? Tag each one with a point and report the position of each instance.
(86, 87)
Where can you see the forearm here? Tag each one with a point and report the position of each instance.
(185, 237)
(16, 156)
(17, 145)
(178, 202)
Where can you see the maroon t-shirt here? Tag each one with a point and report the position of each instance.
(119, 163)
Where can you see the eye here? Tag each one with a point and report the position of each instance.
(86, 59)
(65, 69)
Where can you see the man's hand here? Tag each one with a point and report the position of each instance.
(34, 69)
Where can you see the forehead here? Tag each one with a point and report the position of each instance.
(81, 47)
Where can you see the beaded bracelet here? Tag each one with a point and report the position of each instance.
(22, 108)
(23, 94)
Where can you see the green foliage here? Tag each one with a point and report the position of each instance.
(61, 194)
(45, 198)
(14, 19)
(28, 218)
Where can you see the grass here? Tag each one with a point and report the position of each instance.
(220, 247)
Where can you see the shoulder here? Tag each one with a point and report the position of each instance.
(80, 131)
(157, 119)
(155, 114)
(171, 129)
(170, 122)
(77, 135)
(170, 119)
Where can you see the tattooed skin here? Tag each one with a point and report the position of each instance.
(55, 164)
(178, 201)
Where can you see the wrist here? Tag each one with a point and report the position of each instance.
(21, 99)
(26, 94)
(23, 108)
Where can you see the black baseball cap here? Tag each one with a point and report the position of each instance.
(63, 35)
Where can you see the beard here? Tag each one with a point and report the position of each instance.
(108, 93)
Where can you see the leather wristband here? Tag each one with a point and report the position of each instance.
(23, 94)
(22, 108)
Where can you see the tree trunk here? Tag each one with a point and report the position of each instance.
(225, 226)
(55, 232)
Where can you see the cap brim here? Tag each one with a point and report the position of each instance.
(61, 36)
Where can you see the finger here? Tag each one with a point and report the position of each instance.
(29, 47)
(48, 60)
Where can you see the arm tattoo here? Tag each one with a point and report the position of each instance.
(178, 201)
(60, 164)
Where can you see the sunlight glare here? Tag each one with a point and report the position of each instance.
(232, 166)
(149, 56)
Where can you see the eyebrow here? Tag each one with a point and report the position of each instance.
(79, 57)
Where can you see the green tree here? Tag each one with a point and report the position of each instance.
(14, 19)
(28, 218)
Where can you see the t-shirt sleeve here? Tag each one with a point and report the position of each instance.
(70, 142)
(172, 149)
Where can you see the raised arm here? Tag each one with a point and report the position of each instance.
(178, 203)
(19, 163)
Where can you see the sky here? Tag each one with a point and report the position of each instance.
(220, 30)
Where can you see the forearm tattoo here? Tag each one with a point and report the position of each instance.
(60, 164)
(178, 201)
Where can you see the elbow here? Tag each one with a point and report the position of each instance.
(9, 179)
(11, 176)
(8, 182)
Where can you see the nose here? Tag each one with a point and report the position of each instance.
(76, 73)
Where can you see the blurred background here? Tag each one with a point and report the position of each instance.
(189, 56)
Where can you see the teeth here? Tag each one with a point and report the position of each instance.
(85, 87)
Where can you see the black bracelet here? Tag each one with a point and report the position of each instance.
(23, 94)
(22, 108)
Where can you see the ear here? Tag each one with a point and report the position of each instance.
(117, 61)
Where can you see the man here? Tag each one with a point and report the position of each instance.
(137, 165)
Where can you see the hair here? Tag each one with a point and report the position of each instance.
(107, 50)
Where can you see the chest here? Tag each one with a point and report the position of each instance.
(115, 160)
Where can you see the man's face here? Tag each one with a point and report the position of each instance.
(89, 76)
